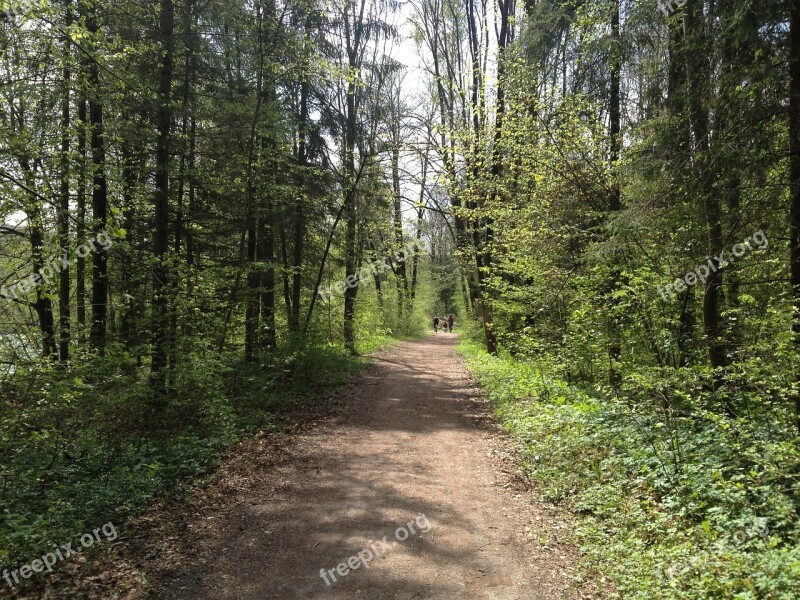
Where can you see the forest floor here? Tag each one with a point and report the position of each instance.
(409, 451)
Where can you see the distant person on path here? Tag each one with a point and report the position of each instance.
(450, 323)
(435, 325)
(444, 324)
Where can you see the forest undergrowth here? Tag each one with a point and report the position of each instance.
(671, 503)
(90, 450)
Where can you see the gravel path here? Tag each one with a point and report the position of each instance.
(411, 454)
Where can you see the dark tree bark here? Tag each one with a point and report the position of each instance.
(676, 104)
(255, 247)
(287, 269)
(484, 232)
(397, 217)
(354, 30)
(127, 325)
(161, 199)
(252, 307)
(266, 212)
(80, 227)
(266, 260)
(794, 176)
(300, 210)
(43, 304)
(321, 271)
(420, 222)
(63, 210)
(99, 199)
(615, 196)
(697, 73)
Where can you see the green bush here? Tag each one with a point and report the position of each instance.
(83, 449)
(669, 504)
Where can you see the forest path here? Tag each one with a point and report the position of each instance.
(411, 448)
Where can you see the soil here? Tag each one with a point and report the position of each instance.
(411, 459)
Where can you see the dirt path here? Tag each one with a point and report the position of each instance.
(411, 453)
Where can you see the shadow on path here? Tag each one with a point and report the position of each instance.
(408, 442)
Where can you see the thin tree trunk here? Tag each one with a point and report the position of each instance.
(190, 252)
(254, 279)
(397, 219)
(80, 227)
(127, 326)
(351, 222)
(63, 212)
(43, 305)
(379, 290)
(299, 215)
(266, 260)
(794, 178)
(697, 74)
(161, 239)
(321, 271)
(99, 200)
(266, 213)
(287, 292)
(418, 233)
(252, 308)
(615, 203)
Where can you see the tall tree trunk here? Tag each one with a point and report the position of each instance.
(676, 104)
(615, 200)
(252, 307)
(190, 252)
(162, 183)
(127, 325)
(63, 211)
(794, 178)
(356, 36)
(350, 212)
(476, 269)
(420, 222)
(286, 270)
(99, 199)
(43, 304)
(253, 301)
(187, 120)
(397, 218)
(80, 227)
(300, 214)
(321, 271)
(484, 232)
(697, 74)
(266, 213)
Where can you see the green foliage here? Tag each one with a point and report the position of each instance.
(78, 450)
(670, 504)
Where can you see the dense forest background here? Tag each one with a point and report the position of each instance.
(606, 193)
